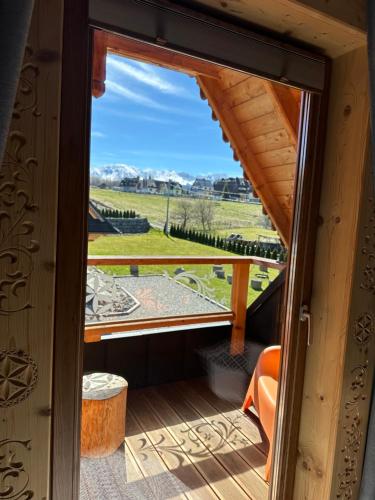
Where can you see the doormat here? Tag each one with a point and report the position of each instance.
(108, 479)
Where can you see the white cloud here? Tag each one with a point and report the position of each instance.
(147, 75)
(96, 133)
(138, 116)
(133, 96)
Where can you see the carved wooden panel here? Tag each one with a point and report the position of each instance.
(28, 203)
(335, 367)
(359, 364)
(18, 377)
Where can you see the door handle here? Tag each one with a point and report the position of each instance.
(305, 315)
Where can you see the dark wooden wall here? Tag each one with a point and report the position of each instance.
(156, 358)
(263, 319)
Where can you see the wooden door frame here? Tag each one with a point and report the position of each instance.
(72, 236)
(71, 256)
(298, 291)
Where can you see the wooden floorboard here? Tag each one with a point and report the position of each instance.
(152, 467)
(248, 423)
(219, 440)
(182, 443)
(170, 450)
(229, 429)
(215, 474)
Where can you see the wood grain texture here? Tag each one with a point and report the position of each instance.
(252, 108)
(298, 291)
(240, 286)
(247, 88)
(71, 249)
(278, 157)
(180, 463)
(288, 106)
(134, 49)
(269, 141)
(252, 455)
(28, 186)
(360, 354)
(210, 446)
(248, 482)
(103, 425)
(252, 167)
(337, 27)
(112, 260)
(344, 167)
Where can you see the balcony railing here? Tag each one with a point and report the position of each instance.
(235, 313)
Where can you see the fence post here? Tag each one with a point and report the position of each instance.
(240, 286)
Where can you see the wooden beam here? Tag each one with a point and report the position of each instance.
(120, 260)
(240, 287)
(105, 42)
(94, 332)
(351, 13)
(99, 63)
(248, 160)
(335, 26)
(287, 107)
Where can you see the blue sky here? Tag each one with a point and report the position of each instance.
(152, 117)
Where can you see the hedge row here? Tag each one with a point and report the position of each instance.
(118, 214)
(253, 248)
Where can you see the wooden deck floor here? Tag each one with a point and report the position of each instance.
(206, 447)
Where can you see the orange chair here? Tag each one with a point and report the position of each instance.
(262, 393)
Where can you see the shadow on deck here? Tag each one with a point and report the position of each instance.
(182, 441)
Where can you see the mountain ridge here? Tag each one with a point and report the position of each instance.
(117, 171)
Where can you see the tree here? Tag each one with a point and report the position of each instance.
(205, 213)
(183, 212)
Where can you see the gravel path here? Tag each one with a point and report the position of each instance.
(160, 296)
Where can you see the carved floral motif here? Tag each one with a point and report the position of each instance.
(353, 433)
(26, 99)
(18, 377)
(368, 250)
(14, 480)
(363, 332)
(16, 202)
(364, 329)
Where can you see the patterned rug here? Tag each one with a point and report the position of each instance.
(107, 479)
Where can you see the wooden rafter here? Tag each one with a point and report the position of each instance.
(99, 63)
(287, 105)
(105, 42)
(243, 152)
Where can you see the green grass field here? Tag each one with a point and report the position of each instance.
(248, 233)
(156, 243)
(230, 216)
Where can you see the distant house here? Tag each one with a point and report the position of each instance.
(175, 188)
(130, 184)
(233, 188)
(201, 185)
(148, 185)
(161, 187)
(97, 224)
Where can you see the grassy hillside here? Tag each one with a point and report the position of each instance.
(229, 215)
(156, 243)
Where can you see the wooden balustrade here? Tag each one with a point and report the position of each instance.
(237, 315)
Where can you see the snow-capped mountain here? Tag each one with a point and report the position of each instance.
(116, 172)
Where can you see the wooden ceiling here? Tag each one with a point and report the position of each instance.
(336, 26)
(258, 118)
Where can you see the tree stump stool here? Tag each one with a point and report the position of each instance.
(103, 414)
